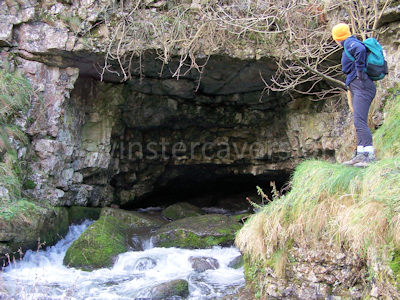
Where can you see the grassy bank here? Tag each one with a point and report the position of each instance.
(354, 209)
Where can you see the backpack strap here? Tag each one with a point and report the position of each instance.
(351, 57)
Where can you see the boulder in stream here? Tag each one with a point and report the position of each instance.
(171, 289)
(132, 218)
(30, 226)
(99, 245)
(203, 263)
(237, 262)
(182, 210)
(78, 214)
(198, 232)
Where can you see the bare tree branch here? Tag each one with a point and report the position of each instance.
(296, 33)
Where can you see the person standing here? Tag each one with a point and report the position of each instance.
(363, 91)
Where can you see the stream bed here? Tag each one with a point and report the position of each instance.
(42, 275)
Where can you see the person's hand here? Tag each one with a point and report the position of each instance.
(361, 75)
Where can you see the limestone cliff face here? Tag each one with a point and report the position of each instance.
(97, 139)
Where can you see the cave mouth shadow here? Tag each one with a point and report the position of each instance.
(227, 192)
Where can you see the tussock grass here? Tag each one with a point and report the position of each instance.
(320, 190)
(350, 208)
(14, 94)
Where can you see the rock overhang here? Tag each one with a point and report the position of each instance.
(213, 117)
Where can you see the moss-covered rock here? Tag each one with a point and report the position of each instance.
(237, 262)
(78, 214)
(28, 225)
(182, 210)
(198, 232)
(98, 246)
(132, 218)
(170, 289)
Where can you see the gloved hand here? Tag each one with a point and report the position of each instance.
(361, 75)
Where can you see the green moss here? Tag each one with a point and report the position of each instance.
(77, 214)
(26, 223)
(132, 218)
(182, 210)
(395, 263)
(198, 232)
(181, 288)
(171, 289)
(237, 263)
(253, 268)
(224, 231)
(241, 218)
(29, 184)
(98, 246)
(188, 240)
(53, 231)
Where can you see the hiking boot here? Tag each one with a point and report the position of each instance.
(368, 159)
(358, 157)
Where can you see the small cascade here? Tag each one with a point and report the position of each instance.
(42, 275)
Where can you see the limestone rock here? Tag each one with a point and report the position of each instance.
(102, 196)
(34, 226)
(198, 232)
(144, 264)
(78, 214)
(4, 194)
(171, 289)
(6, 255)
(78, 194)
(133, 219)
(318, 271)
(182, 210)
(98, 245)
(202, 264)
(237, 262)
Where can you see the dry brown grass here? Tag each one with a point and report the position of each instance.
(352, 209)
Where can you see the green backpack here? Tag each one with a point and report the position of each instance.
(376, 64)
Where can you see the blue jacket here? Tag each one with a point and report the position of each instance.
(359, 52)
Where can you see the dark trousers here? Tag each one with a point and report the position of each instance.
(363, 92)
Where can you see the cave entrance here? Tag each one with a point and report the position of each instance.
(159, 141)
(210, 186)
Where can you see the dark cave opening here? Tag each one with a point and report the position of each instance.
(209, 151)
(208, 186)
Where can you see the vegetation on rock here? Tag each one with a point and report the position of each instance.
(24, 224)
(355, 210)
(31, 226)
(295, 33)
(170, 290)
(182, 210)
(77, 214)
(132, 218)
(99, 245)
(15, 94)
(198, 232)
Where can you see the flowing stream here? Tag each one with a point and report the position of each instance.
(41, 274)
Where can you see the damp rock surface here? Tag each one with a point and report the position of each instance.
(198, 232)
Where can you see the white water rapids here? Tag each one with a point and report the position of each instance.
(41, 274)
